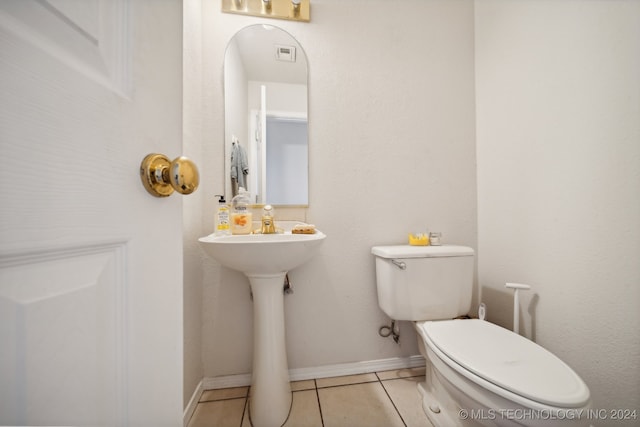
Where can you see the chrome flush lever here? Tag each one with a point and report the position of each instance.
(400, 264)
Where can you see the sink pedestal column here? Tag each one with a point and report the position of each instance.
(270, 399)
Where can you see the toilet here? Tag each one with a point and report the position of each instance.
(477, 373)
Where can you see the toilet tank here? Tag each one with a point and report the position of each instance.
(424, 282)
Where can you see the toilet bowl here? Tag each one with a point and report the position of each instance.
(483, 374)
(477, 373)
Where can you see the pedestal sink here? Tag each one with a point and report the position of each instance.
(265, 259)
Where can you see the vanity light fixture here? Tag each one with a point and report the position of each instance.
(293, 10)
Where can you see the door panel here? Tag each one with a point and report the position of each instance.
(66, 309)
(91, 36)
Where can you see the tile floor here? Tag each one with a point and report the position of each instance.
(384, 399)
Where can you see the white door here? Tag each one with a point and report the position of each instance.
(90, 263)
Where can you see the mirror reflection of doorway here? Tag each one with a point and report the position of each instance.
(287, 161)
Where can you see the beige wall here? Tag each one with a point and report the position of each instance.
(391, 151)
(558, 143)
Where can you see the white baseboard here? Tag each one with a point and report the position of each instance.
(241, 380)
(191, 406)
(356, 368)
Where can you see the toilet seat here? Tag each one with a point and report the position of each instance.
(485, 352)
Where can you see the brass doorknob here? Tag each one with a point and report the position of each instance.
(161, 177)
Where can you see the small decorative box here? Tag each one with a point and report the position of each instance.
(419, 239)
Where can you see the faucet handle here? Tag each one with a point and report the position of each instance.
(268, 225)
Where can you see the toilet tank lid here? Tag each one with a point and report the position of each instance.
(408, 251)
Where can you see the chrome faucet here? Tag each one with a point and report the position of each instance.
(268, 223)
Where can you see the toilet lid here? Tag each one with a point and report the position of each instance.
(509, 361)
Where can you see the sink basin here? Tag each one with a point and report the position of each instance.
(265, 259)
(262, 254)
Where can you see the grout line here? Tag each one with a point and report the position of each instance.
(315, 383)
(245, 408)
(401, 378)
(391, 400)
(222, 400)
(346, 384)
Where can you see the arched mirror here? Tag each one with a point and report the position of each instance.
(266, 123)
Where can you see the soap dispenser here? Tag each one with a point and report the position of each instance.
(223, 224)
(241, 217)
